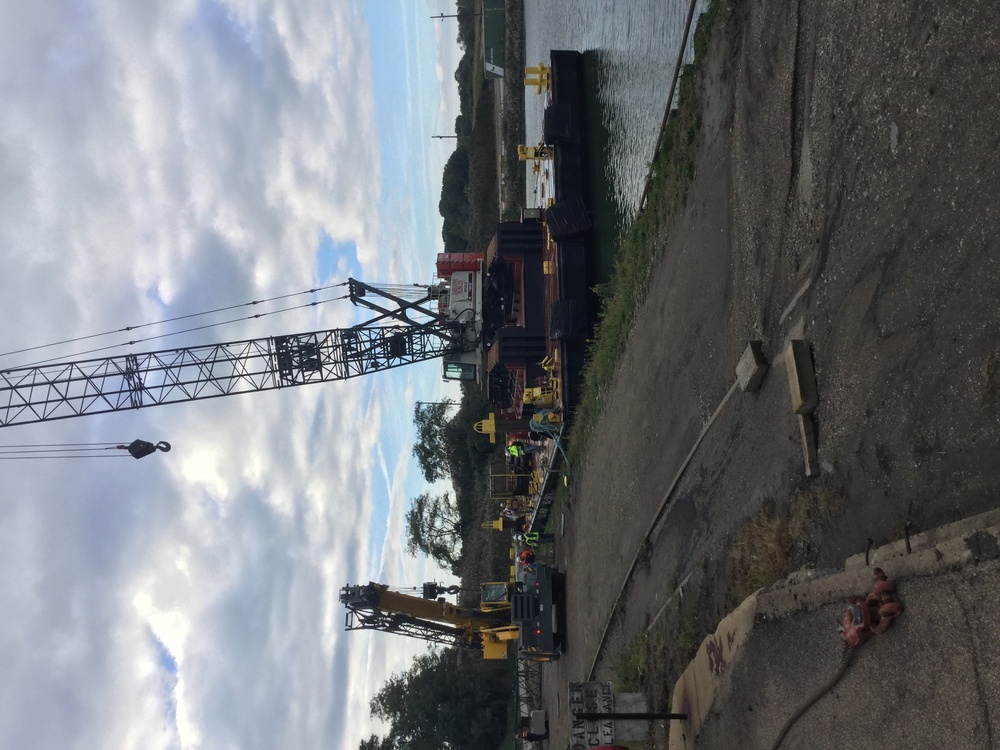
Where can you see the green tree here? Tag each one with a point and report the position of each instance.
(431, 446)
(454, 203)
(448, 698)
(466, 20)
(377, 743)
(434, 527)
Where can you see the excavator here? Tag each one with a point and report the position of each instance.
(525, 611)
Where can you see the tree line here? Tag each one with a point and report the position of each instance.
(448, 698)
(448, 448)
(454, 204)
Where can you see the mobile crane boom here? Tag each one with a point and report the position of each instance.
(376, 607)
(410, 331)
(523, 611)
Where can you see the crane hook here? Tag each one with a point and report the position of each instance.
(142, 448)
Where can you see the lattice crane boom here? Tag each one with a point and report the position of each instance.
(413, 627)
(62, 390)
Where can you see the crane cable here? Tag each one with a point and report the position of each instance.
(36, 451)
(174, 320)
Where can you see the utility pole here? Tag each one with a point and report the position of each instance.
(452, 15)
(437, 403)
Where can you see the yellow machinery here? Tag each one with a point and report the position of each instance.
(377, 607)
(538, 77)
(508, 611)
(548, 395)
(497, 525)
(487, 427)
(529, 153)
(544, 395)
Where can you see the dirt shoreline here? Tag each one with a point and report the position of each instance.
(845, 192)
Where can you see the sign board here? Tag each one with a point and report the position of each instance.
(494, 37)
(591, 697)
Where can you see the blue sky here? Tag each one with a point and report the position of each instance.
(162, 159)
(333, 259)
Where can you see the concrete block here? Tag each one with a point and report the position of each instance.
(801, 376)
(696, 689)
(751, 368)
(925, 540)
(631, 730)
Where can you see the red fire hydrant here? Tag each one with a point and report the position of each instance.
(871, 615)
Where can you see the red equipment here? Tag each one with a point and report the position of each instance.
(871, 615)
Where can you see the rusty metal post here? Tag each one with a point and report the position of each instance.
(588, 716)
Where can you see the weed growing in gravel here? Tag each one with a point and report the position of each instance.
(769, 546)
(628, 672)
(645, 666)
(687, 635)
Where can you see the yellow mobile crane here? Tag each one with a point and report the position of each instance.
(523, 611)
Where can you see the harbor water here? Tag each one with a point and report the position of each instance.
(630, 51)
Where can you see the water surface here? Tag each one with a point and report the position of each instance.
(632, 49)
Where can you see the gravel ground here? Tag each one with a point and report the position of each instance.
(845, 192)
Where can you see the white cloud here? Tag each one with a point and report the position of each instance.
(158, 159)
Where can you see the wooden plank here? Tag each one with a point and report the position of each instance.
(801, 377)
(807, 432)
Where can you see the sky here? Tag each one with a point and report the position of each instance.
(165, 159)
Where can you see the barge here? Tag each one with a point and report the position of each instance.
(528, 289)
(529, 293)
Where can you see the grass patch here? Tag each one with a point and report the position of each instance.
(687, 635)
(640, 666)
(774, 543)
(646, 665)
(630, 669)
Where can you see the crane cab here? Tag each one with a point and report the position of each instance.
(494, 596)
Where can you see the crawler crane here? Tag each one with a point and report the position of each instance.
(403, 331)
(444, 321)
